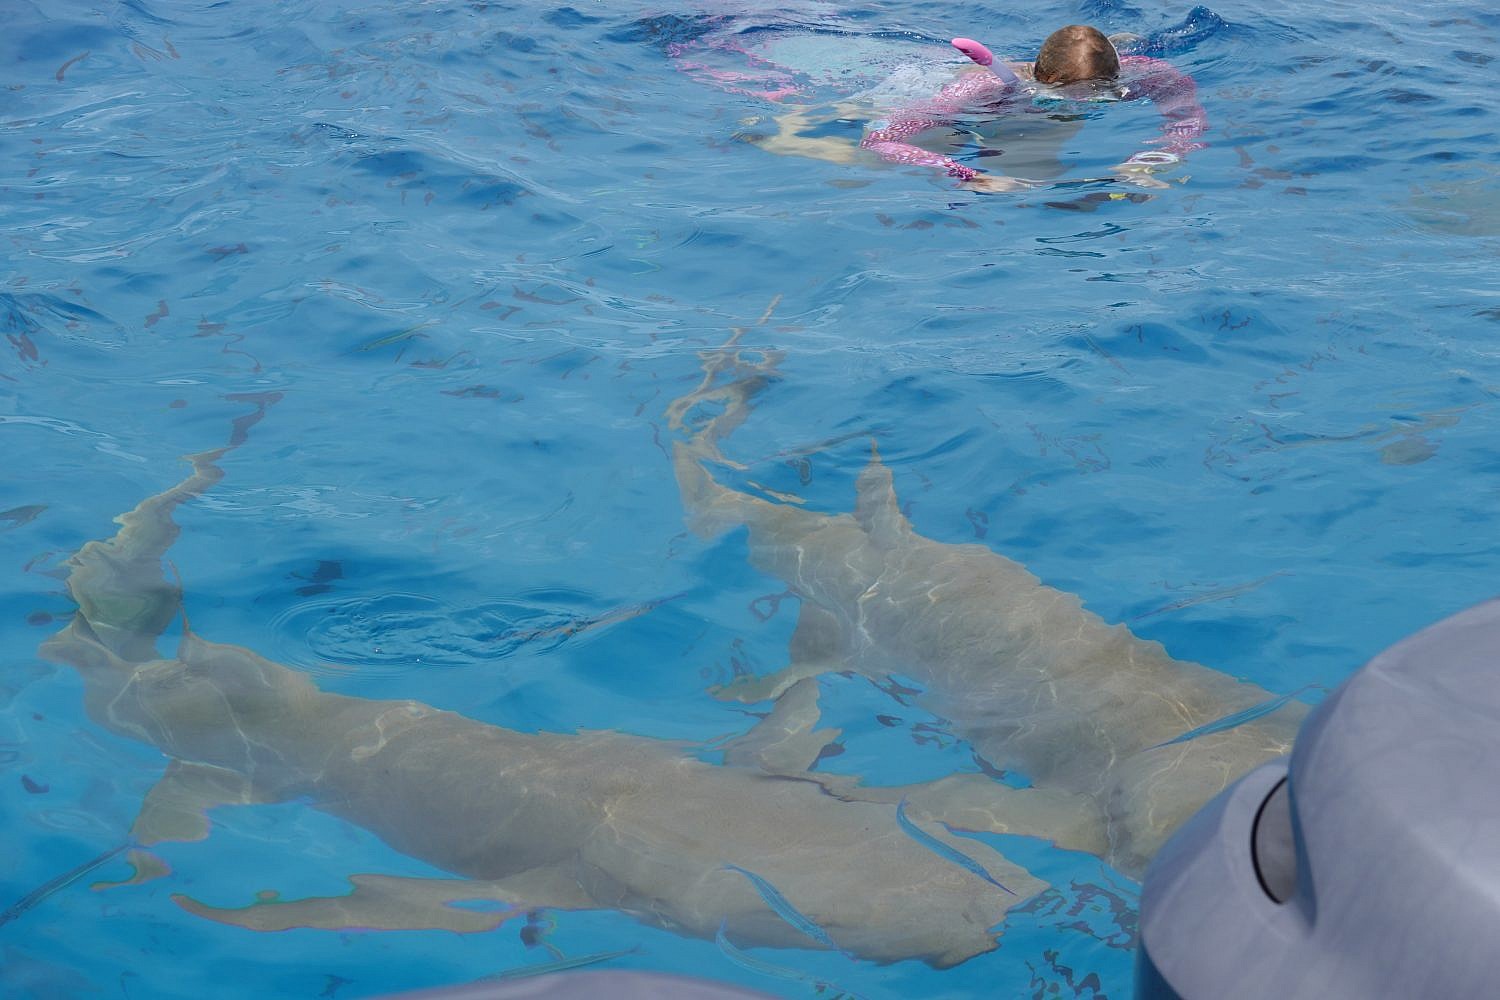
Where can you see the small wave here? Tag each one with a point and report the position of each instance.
(1198, 26)
(666, 30)
(397, 633)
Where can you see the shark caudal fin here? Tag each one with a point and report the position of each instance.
(125, 599)
(712, 508)
(707, 414)
(118, 584)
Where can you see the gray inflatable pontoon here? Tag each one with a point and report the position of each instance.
(1367, 864)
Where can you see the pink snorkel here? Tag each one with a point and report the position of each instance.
(984, 57)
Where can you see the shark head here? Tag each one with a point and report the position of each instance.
(218, 705)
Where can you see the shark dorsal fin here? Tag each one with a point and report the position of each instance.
(876, 508)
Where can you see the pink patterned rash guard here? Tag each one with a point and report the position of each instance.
(1173, 92)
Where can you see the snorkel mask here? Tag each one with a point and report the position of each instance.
(1083, 91)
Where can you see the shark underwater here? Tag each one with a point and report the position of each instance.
(1121, 742)
(588, 820)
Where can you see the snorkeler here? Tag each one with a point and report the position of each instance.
(1075, 62)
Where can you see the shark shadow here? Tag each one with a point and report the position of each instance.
(1122, 743)
(592, 820)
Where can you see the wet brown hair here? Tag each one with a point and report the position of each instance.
(1076, 53)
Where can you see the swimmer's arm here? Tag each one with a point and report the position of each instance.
(998, 184)
(889, 142)
(892, 150)
(1175, 95)
(974, 180)
(886, 143)
(1183, 119)
(970, 89)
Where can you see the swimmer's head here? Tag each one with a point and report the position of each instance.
(1076, 54)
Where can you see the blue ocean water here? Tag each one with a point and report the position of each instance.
(478, 247)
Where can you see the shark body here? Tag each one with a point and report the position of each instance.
(1118, 738)
(586, 821)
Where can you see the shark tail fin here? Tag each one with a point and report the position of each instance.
(117, 582)
(876, 508)
(712, 508)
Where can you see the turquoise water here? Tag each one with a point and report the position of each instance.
(477, 249)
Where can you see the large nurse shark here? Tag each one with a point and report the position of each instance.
(1120, 741)
(593, 820)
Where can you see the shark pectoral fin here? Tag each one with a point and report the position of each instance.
(771, 686)
(977, 803)
(387, 902)
(817, 647)
(144, 866)
(176, 809)
(784, 742)
(177, 806)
